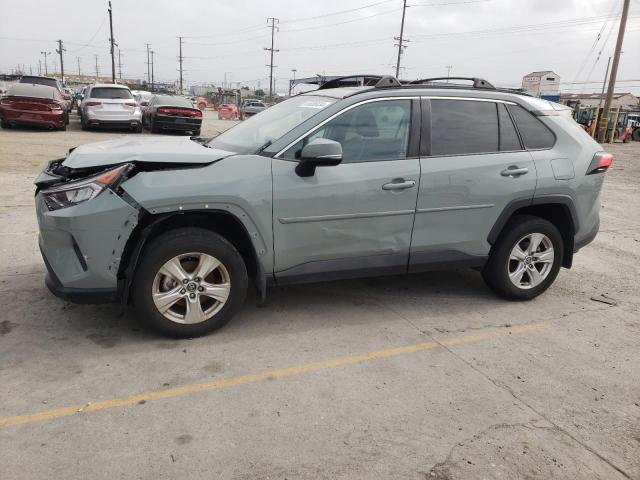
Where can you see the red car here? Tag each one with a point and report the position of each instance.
(228, 111)
(30, 104)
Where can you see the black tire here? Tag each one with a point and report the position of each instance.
(496, 271)
(152, 127)
(83, 124)
(196, 133)
(177, 242)
(636, 134)
(63, 128)
(4, 124)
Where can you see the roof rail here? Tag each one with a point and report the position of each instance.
(477, 82)
(362, 80)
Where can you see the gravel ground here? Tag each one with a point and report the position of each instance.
(460, 384)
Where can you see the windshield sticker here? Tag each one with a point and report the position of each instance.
(315, 104)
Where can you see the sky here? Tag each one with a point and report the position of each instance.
(500, 40)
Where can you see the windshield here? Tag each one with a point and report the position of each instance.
(271, 124)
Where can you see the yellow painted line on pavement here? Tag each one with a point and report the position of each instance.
(260, 376)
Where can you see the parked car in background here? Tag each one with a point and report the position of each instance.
(332, 184)
(142, 97)
(112, 106)
(32, 104)
(251, 107)
(168, 113)
(69, 96)
(228, 111)
(3, 88)
(202, 103)
(79, 96)
(49, 81)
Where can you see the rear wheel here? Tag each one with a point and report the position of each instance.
(526, 259)
(636, 134)
(190, 282)
(4, 124)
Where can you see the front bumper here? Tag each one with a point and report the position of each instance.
(82, 246)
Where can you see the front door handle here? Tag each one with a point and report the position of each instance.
(399, 184)
(514, 171)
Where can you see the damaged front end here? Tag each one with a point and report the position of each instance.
(85, 220)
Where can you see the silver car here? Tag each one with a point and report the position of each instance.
(110, 105)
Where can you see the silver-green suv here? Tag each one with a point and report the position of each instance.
(337, 183)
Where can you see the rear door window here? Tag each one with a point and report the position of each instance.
(461, 127)
(534, 133)
(111, 93)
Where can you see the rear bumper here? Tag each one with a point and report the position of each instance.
(166, 122)
(587, 238)
(20, 117)
(114, 123)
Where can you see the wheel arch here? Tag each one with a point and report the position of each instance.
(221, 222)
(558, 209)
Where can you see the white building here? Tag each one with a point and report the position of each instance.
(541, 84)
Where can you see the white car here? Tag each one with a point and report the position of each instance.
(110, 105)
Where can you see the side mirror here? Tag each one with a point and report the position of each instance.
(318, 153)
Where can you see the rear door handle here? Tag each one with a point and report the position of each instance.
(514, 171)
(399, 184)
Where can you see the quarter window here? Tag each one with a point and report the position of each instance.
(370, 132)
(460, 127)
(508, 137)
(534, 133)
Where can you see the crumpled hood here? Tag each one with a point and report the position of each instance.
(143, 149)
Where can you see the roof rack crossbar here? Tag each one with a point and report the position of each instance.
(477, 82)
(354, 80)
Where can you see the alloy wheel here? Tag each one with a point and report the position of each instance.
(530, 261)
(191, 288)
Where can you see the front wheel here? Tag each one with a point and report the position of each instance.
(526, 259)
(190, 282)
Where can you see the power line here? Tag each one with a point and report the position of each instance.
(341, 12)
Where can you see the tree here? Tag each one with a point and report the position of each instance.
(259, 93)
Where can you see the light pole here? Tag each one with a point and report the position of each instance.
(292, 82)
(448, 67)
(46, 71)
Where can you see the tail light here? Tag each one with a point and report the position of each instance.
(180, 111)
(131, 104)
(92, 104)
(600, 163)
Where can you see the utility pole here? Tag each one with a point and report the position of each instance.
(97, 69)
(152, 79)
(448, 67)
(148, 66)
(401, 41)
(292, 81)
(604, 119)
(39, 67)
(273, 22)
(78, 59)
(180, 61)
(112, 42)
(604, 83)
(59, 51)
(119, 65)
(46, 69)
